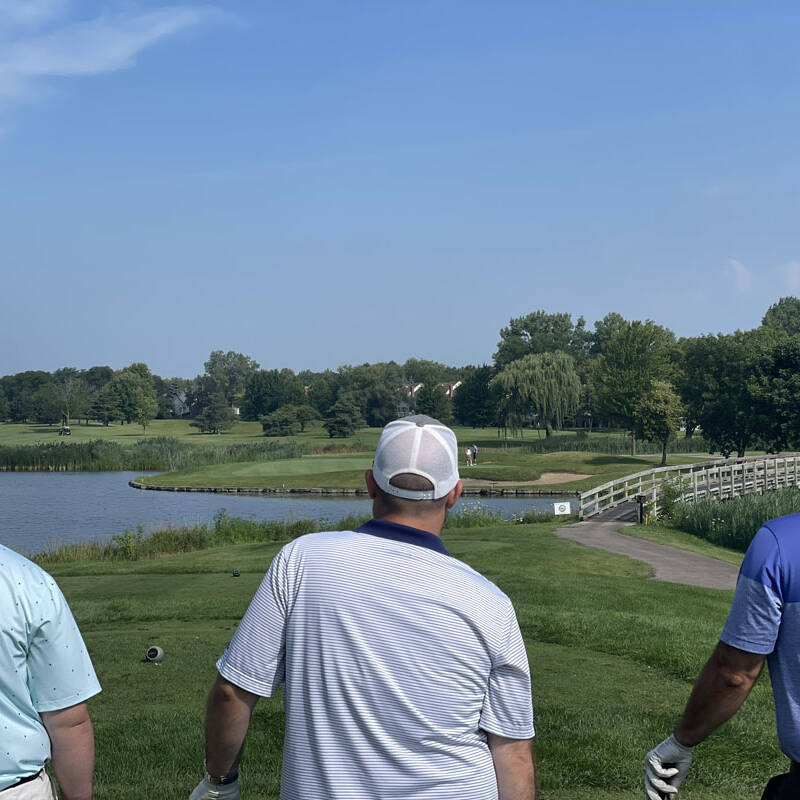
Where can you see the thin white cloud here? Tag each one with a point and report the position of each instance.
(26, 13)
(741, 276)
(792, 271)
(104, 44)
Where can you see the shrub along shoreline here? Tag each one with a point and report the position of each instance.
(139, 545)
(161, 453)
(733, 523)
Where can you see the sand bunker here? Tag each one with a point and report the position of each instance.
(547, 478)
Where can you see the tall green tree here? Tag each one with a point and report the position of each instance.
(432, 400)
(46, 404)
(783, 316)
(475, 401)
(146, 410)
(774, 385)
(20, 390)
(658, 416)
(344, 418)
(381, 406)
(269, 390)
(545, 385)
(718, 386)
(230, 371)
(604, 330)
(72, 392)
(131, 394)
(217, 416)
(105, 407)
(540, 332)
(635, 356)
(281, 422)
(322, 388)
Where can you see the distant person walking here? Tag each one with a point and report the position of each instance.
(763, 624)
(404, 670)
(46, 677)
(474, 454)
(468, 452)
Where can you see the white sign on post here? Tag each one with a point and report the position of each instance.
(562, 508)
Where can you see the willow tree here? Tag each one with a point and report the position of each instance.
(545, 385)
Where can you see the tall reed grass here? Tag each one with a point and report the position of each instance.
(616, 445)
(158, 453)
(139, 544)
(733, 523)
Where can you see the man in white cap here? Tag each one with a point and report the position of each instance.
(404, 670)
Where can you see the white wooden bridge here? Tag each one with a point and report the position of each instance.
(718, 479)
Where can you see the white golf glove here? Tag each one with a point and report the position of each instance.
(205, 790)
(665, 767)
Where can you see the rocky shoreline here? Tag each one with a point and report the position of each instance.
(471, 491)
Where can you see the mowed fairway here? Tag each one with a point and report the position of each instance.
(314, 436)
(613, 657)
(507, 467)
(339, 471)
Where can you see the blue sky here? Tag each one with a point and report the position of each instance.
(320, 183)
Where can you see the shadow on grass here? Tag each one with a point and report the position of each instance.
(606, 460)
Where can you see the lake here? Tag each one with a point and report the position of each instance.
(41, 509)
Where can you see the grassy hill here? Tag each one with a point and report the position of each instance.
(613, 656)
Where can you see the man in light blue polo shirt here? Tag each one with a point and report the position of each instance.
(46, 677)
(404, 670)
(763, 624)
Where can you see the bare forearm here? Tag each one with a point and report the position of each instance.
(73, 759)
(227, 720)
(720, 690)
(513, 766)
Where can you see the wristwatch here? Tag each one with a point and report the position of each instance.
(224, 780)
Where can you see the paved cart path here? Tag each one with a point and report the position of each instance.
(671, 564)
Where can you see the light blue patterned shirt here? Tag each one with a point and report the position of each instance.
(765, 618)
(44, 665)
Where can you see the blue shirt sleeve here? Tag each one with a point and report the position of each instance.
(60, 672)
(755, 616)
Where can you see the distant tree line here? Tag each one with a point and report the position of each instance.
(742, 390)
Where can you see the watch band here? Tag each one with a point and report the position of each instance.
(221, 780)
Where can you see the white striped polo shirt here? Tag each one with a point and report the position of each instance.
(396, 658)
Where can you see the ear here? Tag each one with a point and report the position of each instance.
(372, 487)
(454, 494)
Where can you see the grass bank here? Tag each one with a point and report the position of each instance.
(612, 444)
(613, 656)
(139, 545)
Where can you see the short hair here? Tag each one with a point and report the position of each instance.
(391, 504)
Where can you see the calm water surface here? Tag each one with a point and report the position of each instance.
(42, 509)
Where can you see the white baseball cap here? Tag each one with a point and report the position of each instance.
(417, 445)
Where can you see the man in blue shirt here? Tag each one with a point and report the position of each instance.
(404, 671)
(763, 624)
(46, 677)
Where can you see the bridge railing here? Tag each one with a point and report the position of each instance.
(721, 478)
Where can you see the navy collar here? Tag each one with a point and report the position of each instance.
(403, 533)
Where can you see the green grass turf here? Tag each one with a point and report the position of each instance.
(662, 533)
(509, 466)
(613, 657)
(314, 437)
